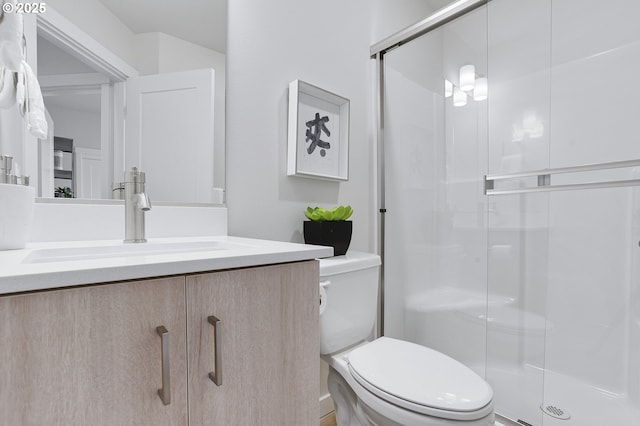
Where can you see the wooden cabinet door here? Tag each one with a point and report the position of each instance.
(269, 346)
(92, 355)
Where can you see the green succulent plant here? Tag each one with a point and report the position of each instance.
(319, 214)
(63, 192)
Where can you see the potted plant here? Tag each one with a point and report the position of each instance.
(329, 228)
(63, 192)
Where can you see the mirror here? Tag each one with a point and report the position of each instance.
(92, 58)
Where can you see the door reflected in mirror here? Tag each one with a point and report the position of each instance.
(155, 101)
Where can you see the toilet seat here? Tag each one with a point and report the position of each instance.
(420, 379)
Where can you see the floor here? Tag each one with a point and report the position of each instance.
(329, 420)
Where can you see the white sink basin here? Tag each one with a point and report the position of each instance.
(69, 254)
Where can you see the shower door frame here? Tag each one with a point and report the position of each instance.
(377, 51)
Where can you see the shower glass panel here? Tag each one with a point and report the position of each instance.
(435, 158)
(537, 289)
(519, 57)
(592, 352)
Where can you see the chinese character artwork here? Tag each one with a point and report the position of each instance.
(315, 128)
(318, 133)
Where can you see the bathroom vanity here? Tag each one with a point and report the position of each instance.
(217, 331)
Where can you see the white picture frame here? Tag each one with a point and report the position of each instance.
(318, 137)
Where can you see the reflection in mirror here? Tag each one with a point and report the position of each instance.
(75, 113)
(95, 59)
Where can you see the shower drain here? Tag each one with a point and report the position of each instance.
(555, 412)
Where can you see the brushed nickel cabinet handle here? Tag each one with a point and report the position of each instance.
(216, 375)
(165, 391)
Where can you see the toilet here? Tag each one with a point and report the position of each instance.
(386, 381)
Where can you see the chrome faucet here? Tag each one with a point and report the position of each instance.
(136, 203)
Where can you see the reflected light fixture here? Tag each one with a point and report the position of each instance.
(448, 88)
(459, 97)
(467, 77)
(480, 89)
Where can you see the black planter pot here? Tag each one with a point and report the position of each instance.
(335, 234)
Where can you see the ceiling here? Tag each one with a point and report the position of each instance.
(202, 22)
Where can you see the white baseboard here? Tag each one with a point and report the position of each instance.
(326, 405)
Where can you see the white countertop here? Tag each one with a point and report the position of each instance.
(37, 267)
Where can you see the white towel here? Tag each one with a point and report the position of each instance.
(7, 88)
(11, 31)
(30, 103)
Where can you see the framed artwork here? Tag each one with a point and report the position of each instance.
(318, 140)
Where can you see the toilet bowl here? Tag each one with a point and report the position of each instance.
(387, 381)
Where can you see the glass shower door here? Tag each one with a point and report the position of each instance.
(592, 352)
(518, 121)
(435, 225)
(567, 256)
(536, 285)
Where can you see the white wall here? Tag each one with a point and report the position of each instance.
(326, 44)
(161, 53)
(271, 44)
(81, 126)
(391, 16)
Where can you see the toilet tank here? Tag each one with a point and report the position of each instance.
(348, 299)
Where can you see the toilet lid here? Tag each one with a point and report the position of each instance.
(415, 377)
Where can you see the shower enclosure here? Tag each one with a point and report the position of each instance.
(510, 207)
